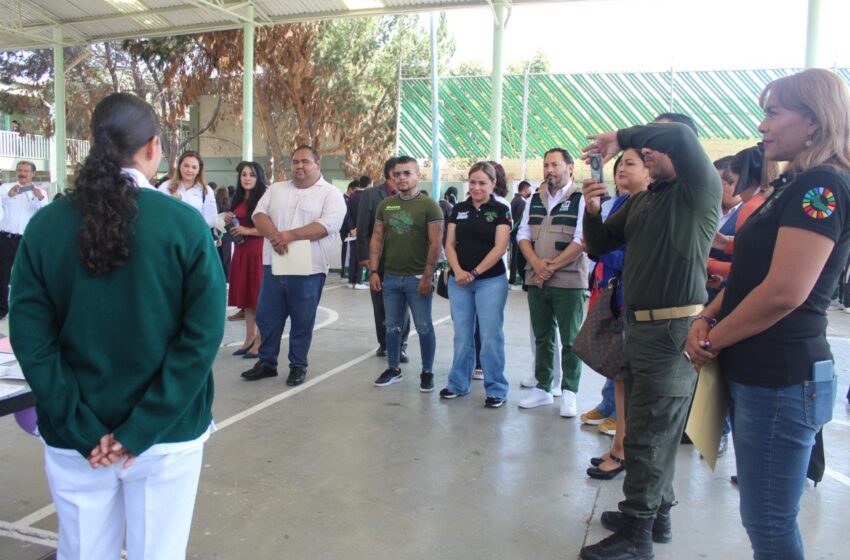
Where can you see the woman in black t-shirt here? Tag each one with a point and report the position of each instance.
(769, 324)
(477, 237)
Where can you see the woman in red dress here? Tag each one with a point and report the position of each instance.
(246, 267)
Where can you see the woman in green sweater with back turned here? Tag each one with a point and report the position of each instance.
(116, 321)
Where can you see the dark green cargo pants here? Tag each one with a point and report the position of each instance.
(659, 384)
(556, 312)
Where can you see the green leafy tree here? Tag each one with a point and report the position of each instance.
(537, 64)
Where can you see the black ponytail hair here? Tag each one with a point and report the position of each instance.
(255, 194)
(106, 198)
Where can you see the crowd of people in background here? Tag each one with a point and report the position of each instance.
(733, 261)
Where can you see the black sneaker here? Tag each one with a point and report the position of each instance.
(403, 357)
(381, 352)
(426, 382)
(493, 402)
(447, 394)
(296, 376)
(259, 371)
(389, 377)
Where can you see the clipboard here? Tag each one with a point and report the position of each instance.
(708, 413)
(298, 260)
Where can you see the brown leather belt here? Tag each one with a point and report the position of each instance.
(666, 313)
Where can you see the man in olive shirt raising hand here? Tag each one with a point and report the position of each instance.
(668, 229)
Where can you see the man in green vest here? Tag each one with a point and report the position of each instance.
(550, 239)
(668, 229)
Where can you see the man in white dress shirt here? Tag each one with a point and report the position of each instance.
(307, 208)
(20, 201)
(550, 238)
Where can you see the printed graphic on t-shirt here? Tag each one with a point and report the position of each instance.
(401, 222)
(819, 203)
(490, 215)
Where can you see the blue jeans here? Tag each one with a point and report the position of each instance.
(774, 431)
(484, 299)
(282, 297)
(397, 291)
(607, 406)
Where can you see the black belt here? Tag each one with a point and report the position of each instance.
(8, 235)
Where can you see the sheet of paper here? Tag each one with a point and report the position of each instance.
(298, 260)
(7, 358)
(708, 413)
(13, 372)
(7, 389)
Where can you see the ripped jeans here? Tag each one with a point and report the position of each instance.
(397, 291)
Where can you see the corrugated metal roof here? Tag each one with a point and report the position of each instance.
(30, 24)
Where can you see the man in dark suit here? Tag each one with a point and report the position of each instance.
(368, 204)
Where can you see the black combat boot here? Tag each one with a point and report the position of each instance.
(662, 529)
(633, 541)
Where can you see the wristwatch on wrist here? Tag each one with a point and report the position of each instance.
(474, 273)
(373, 272)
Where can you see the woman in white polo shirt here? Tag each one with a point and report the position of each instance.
(187, 183)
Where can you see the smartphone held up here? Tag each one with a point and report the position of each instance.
(597, 172)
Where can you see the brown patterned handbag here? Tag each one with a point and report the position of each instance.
(599, 342)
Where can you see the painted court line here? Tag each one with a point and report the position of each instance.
(291, 392)
(28, 534)
(36, 516)
(333, 317)
(845, 480)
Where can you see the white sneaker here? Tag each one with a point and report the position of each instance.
(529, 382)
(361, 286)
(538, 397)
(556, 388)
(569, 408)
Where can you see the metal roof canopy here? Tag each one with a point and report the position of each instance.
(31, 24)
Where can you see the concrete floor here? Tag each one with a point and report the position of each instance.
(339, 469)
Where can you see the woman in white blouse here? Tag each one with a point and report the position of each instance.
(187, 184)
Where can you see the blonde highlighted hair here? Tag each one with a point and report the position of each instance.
(823, 97)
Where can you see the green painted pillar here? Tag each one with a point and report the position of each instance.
(435, 113)
(812, 25)
(248, 89)
(59, 108)
(501, 9)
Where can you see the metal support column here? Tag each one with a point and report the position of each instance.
(435, 113)
(524, 143)
(812, 26)
(59, 109)
(500, 16)
(248, 88)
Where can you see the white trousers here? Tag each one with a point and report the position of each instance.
(155, 497)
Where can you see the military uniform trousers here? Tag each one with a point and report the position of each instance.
(659, 383)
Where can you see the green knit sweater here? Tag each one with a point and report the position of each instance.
(129, 352)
